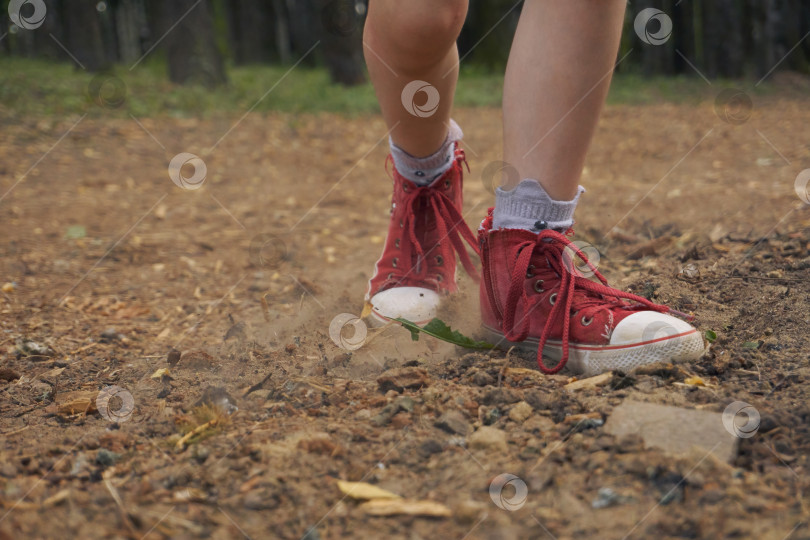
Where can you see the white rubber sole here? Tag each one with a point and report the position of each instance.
(376, 320)
(589, 360)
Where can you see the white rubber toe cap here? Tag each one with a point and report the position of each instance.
(416, 304)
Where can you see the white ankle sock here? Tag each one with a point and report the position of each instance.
(529, 207)
(424, 170)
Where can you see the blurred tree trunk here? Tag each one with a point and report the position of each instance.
(36, 42)
(342, 42)
(281, 22)
(492, 51)
(722, 31)
(191, 46)
(305, 29)
(251, 32)
(683, 19)
(796, 27)
(129, 22)
(657, 59)
(83, 37)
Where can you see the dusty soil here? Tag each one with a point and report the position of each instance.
(110, 266)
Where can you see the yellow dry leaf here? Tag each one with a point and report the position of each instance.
(590, 382)
(694, 381)
(160, 373)
(367, 307)
(363, 491)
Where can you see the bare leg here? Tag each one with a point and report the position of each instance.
(557, 78)
(408, 40)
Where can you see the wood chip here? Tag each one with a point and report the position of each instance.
(590, 382)
(405, 507)
(59, 497)
(364, 491)
(401, 378)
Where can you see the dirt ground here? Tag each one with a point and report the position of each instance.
(109, 266)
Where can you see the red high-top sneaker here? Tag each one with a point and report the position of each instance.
(418, 263)
(533, 295)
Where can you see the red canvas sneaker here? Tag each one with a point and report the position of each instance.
(418, 263)
(534, 294)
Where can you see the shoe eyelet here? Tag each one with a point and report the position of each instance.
(439, 260)
(394, 262)
(405, 187)
(538, 286)
(401, 224)
(585, 321)
(396, 243)
(552, 299)
(391, 275)
(439, 278)
(529, 273)
(447, 184)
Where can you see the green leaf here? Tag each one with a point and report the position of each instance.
(750, 345)
(74, 232)
(711, 336)
(440, 330)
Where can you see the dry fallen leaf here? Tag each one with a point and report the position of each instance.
(160, 373)
(78, 402)
(694, 381)
(407, 507)
(590, 382)
(189, 495)
(363, 491)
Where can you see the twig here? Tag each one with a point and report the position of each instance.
(14, 432)
(258, 385)
(123, 512)
(505, 365)
(182, 443)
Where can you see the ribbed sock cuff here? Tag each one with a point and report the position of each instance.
(527, 204)
(424, 170)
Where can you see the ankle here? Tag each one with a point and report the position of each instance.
(529, 207)
(424, 170)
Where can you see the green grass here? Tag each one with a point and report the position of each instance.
(42, 88)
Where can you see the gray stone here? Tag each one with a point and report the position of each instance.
(673, 429)
(489, 439)
(520, 412)
(453, 422)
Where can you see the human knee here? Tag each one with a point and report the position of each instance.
(415, 33)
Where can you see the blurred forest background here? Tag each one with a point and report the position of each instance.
(721, 38)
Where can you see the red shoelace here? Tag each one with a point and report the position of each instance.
(449, 222)
(574, 292)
